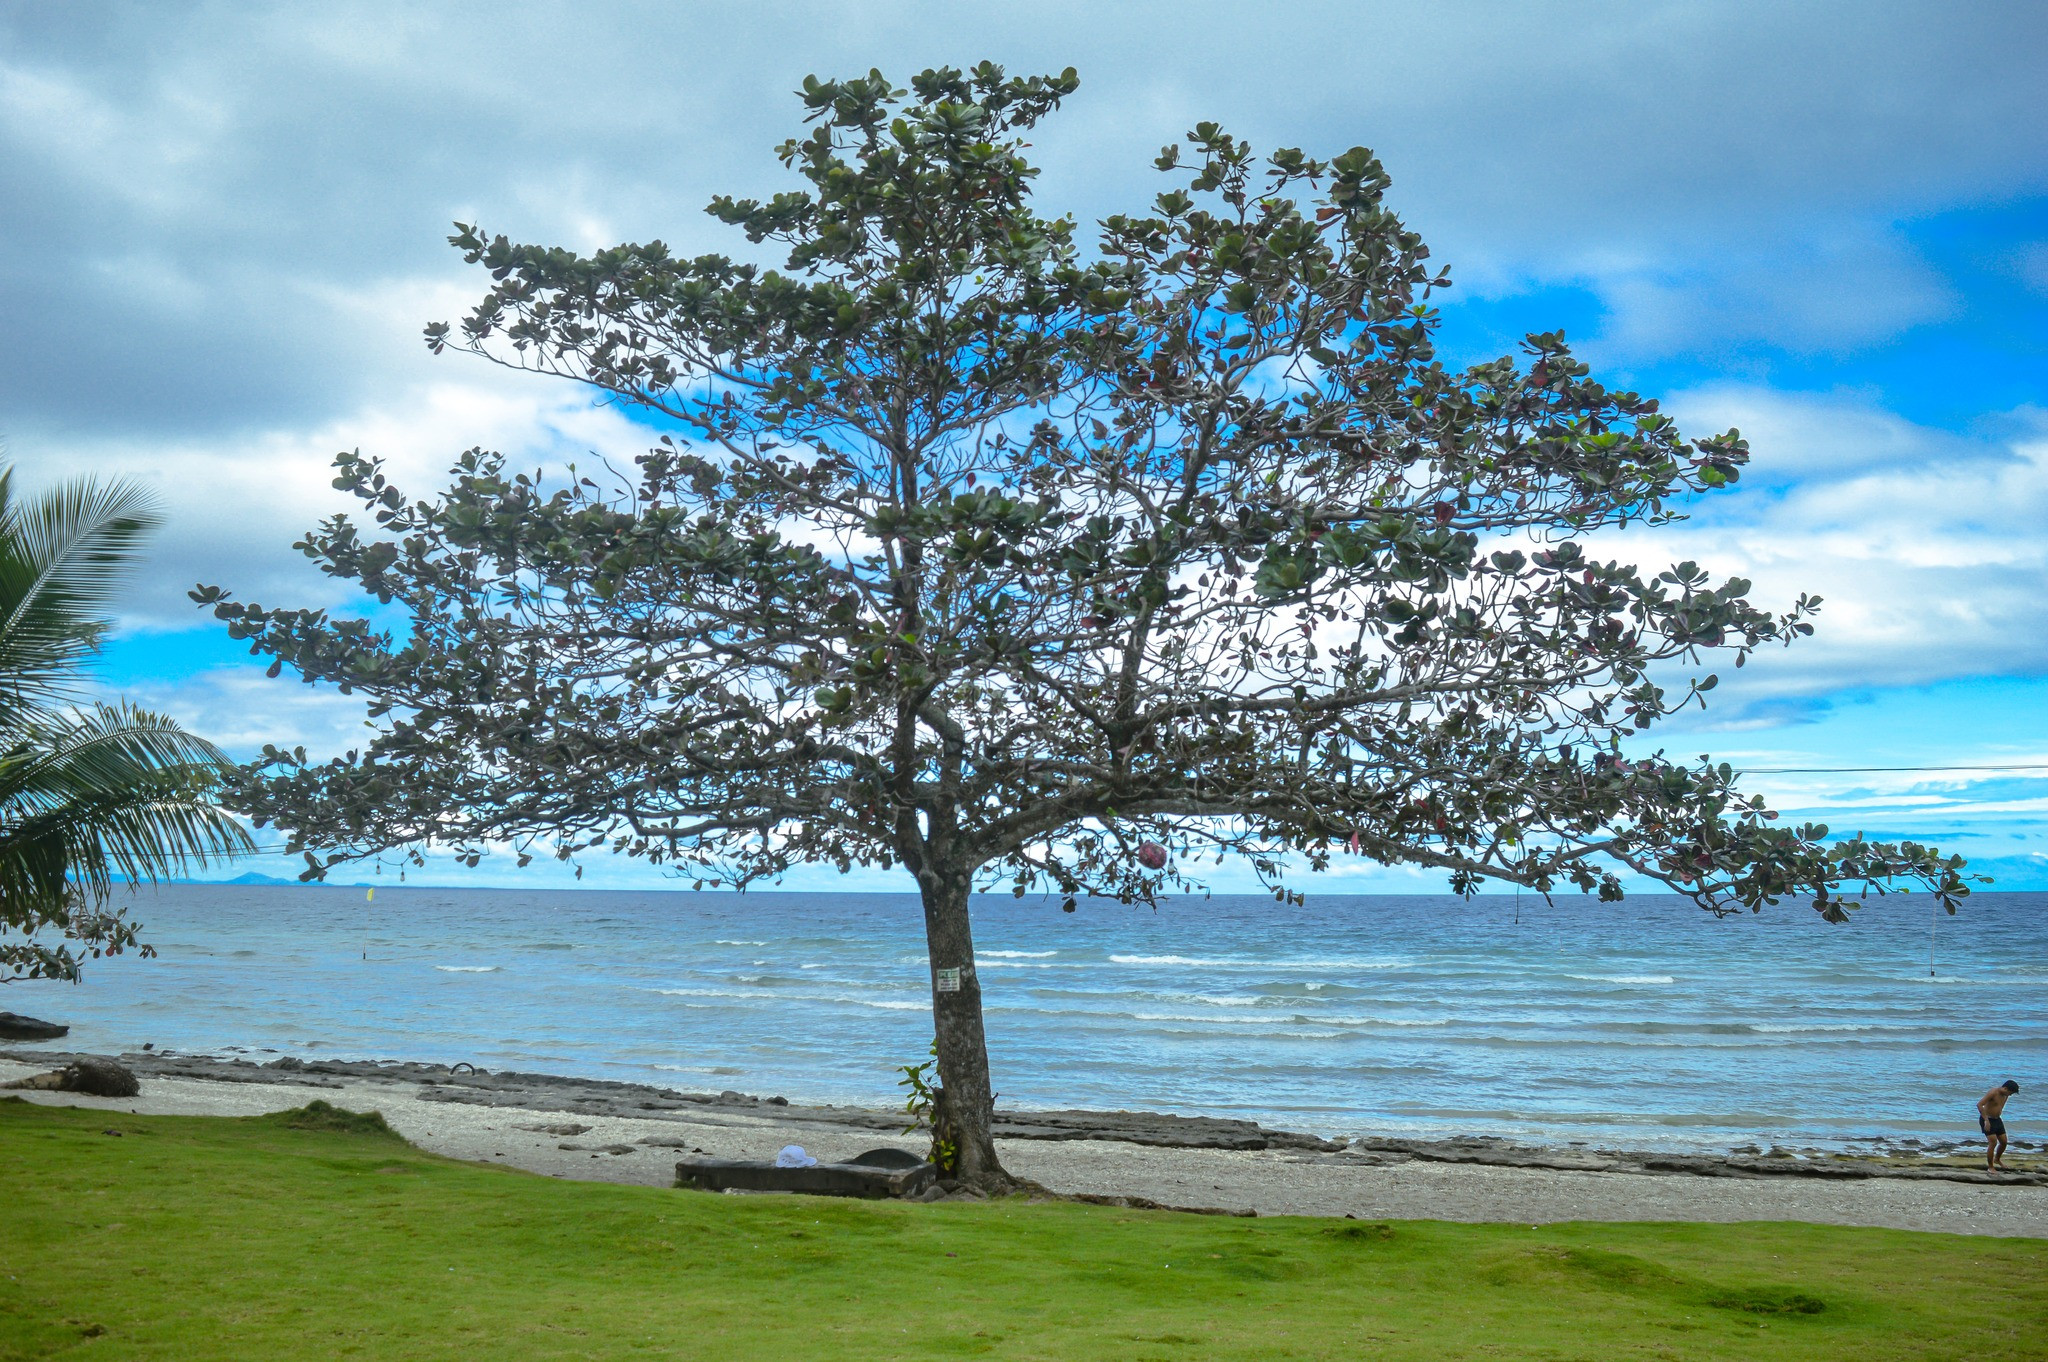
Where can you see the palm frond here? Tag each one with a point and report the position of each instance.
(112, 791)
(88, 794)
(63, 553)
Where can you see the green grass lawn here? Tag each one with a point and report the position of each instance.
(208, 1238)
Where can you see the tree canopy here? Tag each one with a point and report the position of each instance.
(1011, 557)
(90, 792)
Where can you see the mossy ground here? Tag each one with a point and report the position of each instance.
(206, 1238)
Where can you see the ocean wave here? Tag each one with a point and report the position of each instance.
(1624, 978)
(1228, 1033)
(1310, 990)
(723, 942)
(1765, 1029)
(1242, 962)
(1735, 1120)
(1230, 1000)
(983, 962)
(1739, 1043)
(1239, 1019)
(1013, 955)
(1210, 1020)
(754, 996)
(467, 969)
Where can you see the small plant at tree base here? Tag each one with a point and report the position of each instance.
(924, 1107)
(1016, 563)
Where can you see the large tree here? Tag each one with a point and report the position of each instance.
(1006, 560)
(90, 792)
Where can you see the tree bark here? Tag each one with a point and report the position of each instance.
(956, 1017)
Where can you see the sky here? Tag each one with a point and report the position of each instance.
(223, 226)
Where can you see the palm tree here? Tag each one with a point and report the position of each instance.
(90, 792)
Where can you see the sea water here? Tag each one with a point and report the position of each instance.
(1646, 1024)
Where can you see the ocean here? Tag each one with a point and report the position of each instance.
(1645, 1025)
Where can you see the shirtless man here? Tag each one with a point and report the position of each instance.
(1991, 1120)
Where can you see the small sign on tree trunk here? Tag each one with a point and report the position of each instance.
(949, 981)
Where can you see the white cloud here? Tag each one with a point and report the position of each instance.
(1928, 553)
(1795, 436)
(233, 507)
(241, 709)
(1855, 289)
(2032, 267)
(192, 187)
(224, 228)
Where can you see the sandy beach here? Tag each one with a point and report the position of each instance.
(617, 1133)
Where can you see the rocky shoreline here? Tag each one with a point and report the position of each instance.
(611, 1099)
(605, 1097)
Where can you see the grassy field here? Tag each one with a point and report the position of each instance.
(209, 1238)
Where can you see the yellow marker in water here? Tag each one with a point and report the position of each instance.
(369, 897)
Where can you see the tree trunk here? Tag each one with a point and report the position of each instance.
(956, 1016)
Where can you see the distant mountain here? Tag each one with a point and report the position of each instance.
(253, 878)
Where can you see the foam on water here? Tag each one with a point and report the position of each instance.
(1624, 978)
(1257, 962)
(1646, 1023)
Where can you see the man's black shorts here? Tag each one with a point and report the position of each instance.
(1991, 1125)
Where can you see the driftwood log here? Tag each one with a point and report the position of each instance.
(821, 1179)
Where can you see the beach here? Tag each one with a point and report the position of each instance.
(625, 1133)
(1418, 1059)
(1644, 1025)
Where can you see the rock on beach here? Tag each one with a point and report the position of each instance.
(88, 1074)
(14, 1026)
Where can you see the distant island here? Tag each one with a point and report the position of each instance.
(252, 877)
